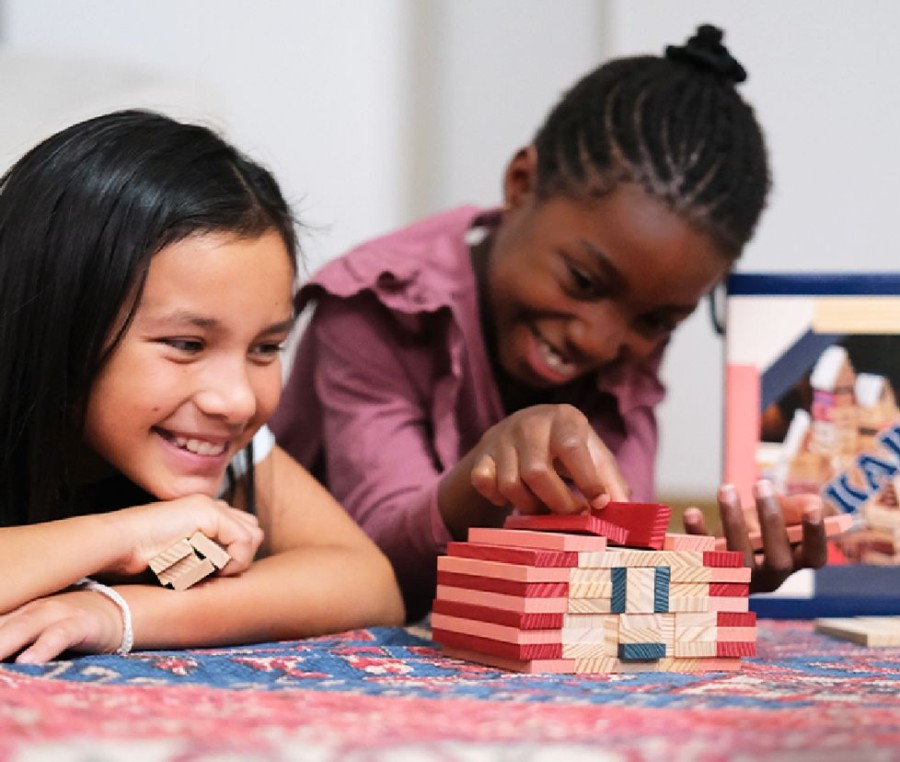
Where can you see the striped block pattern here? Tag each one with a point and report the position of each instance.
(585, 604)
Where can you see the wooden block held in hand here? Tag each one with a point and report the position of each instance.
(209, 549)
(188, 561)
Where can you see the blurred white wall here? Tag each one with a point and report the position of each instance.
(317, 90)
(373, 112)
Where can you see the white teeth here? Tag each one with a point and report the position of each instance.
(551, 357)
(199, 446)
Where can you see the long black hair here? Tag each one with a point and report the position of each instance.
(81, 216)
(676, 125)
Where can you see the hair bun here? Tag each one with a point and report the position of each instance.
(706, 51)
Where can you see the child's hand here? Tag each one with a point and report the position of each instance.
(532, 459)
(156, 527)
(779, 559)
(42, 629)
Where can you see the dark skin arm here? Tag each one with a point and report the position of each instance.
(779, 559)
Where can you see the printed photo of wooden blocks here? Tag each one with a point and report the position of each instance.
(188, 561)
(549, 601)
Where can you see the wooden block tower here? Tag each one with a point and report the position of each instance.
(606, 591)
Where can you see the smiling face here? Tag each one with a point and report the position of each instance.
(573, 286)
(198, 370)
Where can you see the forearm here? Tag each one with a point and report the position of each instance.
(41, 559)
(295, 594)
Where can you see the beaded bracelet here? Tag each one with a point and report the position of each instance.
(127, 632)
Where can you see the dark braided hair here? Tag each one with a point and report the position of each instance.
(676, 125)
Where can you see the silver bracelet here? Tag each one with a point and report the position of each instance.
(127, 631)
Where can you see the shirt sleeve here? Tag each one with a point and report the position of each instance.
(372, 376)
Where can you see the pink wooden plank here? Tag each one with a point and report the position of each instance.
(735, 634)
(498, 570)
(523, 538)
(520, 619)
(505, 554)
(520, 651)
(502, 633)
(676, 541)
(834, 525)
(535, 666)
(506, 602)
(505, 586)
(742, 428)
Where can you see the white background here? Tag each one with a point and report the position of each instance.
(374, 112)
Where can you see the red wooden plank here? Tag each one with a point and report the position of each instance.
(520, 619)
(505, 586)
(584, 523)
(520, 651)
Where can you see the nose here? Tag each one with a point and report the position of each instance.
(598, 333)
(227, 393)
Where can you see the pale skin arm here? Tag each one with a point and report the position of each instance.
(321, 574)
(41, 559)
(525, 461)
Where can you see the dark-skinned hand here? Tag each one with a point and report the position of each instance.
(778, 559)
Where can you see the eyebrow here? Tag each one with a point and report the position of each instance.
(185, 317)
(618, 282)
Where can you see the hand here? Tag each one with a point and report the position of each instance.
(527, 459)
(779, 559)
(42, 629)
(155, 527)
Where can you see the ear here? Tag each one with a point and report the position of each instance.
(520, 178)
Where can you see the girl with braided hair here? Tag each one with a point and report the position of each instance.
(484, 360)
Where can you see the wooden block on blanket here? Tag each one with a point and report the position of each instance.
(871, 631)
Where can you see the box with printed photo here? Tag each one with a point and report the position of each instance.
(812, 378)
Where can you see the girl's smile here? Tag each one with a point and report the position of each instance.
(572, 286)
(198, 370)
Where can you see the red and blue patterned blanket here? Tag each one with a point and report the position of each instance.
(387, 693)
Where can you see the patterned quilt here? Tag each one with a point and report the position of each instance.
(389, 694)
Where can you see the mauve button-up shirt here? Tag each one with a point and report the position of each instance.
(391, 385)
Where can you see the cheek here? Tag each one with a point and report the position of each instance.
(268, 391)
